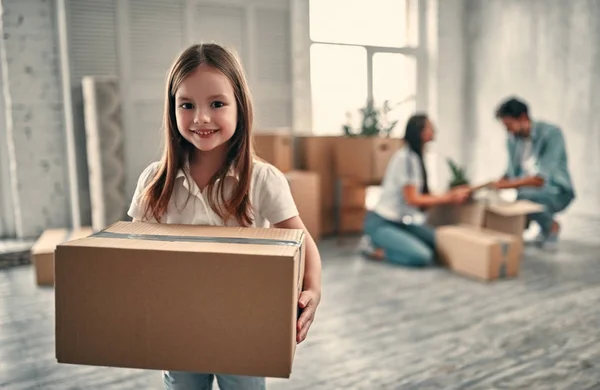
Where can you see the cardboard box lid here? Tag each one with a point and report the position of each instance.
(49, 240)
(513, 209)
(195, 238)
(52, 237)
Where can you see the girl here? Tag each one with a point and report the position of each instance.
(395, 230)
(208, 176)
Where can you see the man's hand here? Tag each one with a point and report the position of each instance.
(307, 302)
(531, 181)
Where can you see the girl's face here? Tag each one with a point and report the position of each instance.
(205, 109)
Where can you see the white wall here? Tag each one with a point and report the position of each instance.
(547, 52)
(450, 118)
(33, 121)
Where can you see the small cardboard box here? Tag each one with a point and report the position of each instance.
(317, 154)
(180, 297)
(364, 158)
(275, 148)
(306, 191)
(479, 253)
(42, 252)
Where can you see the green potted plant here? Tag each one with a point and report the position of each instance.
(459, 176)
(374, 121)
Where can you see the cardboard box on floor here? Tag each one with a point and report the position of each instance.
(364, 158)
(479, 253)
(275, 148)
(482, 239)
(42, 252)
(183, 298)
(305, 187)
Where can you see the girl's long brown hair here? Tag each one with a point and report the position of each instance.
(177, 149)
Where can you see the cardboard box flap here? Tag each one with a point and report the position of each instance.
(520, 207)
(195, 238)
(49, 240)
(474, 234)
(80, 233)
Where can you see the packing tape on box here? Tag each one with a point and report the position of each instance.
(206, 239)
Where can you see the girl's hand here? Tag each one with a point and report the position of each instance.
(307, 302)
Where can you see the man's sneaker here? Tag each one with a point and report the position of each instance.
(549, 241)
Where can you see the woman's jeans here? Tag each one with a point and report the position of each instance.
(175, 380)
(408, 245)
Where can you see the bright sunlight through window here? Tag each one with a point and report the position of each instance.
(347, 36)
(339, 84)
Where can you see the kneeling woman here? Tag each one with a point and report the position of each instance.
(396, 230)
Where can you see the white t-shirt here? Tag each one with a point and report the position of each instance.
(270, 197)
(403, 169)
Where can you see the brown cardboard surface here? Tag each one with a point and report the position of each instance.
(364, 158)
(327, 221)
(352, 220)
(132, 300)
(275, 148)
(503, 217)
(317, 154)
(353, 194)
(306, 191)
(479, 253)
(42, 252)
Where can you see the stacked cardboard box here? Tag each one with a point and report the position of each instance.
(42, 252)
(352, 206)
(305, 187)
(364, 159)
(316, 154)
(482, 239)
(180, 297)
(275, 147)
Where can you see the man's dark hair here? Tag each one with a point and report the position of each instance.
(513, 108)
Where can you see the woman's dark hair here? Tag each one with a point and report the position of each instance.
(412, 137)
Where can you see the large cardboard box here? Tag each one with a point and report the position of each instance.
(479, 253)
(306, 191)
(364, 158)
(180, 297)
(507, 217)
(42, 252)
(275, 148)
(482, 239)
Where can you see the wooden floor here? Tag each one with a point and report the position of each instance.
(382, 327)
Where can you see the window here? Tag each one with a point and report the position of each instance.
(362, 50)
(359, 22)
(395, 81)
(339, 84)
